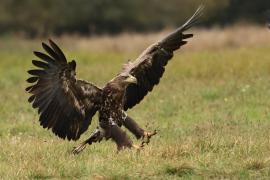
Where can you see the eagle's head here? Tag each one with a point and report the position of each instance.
(126, 79)
(123, 80)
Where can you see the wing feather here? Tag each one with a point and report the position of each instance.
(62, 101)
(40, 64)
(149, 67)
(45, 57)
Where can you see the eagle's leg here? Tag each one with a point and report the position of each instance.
(139, 133)
(96, 136)
(133, 127)
(121, 138)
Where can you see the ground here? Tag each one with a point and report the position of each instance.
(211, 110)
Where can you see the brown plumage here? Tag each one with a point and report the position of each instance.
(66, 105)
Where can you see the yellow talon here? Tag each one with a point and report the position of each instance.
(147, 136)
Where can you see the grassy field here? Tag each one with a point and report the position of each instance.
(211, 110)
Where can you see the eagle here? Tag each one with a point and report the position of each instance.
(66, 105)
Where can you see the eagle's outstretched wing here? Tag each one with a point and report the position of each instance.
(65, 104)
(148, 68)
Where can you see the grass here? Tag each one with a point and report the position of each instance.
(211, 110)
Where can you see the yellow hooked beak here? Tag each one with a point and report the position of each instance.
(131, 79)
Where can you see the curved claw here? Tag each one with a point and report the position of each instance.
(138, 148)
(147, 136)
(96, 136)
(78, 149)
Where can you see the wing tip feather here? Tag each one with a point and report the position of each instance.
(193, 19)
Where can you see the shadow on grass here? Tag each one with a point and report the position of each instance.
(180, 171)
(111, 177)
(40, 176)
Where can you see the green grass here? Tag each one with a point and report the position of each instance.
(211, 110)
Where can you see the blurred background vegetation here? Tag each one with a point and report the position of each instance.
(37, 18)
